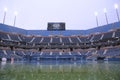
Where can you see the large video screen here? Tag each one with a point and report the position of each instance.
(55, 26)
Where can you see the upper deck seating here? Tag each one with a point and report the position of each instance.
(85, 39)
(75, 39)
(108, 35)
(37, 40)
(97, 37)
(46, 40)
(27, 39)
(14, 37)
(3, 35)
(117, 33)
(65, 40)
(55, 39)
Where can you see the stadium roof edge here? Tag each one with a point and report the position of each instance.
(104, 28)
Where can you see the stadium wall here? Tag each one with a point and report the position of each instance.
(46, 33)
(11, 29)
(104, 28)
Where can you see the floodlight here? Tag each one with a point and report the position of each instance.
(15, 13)
(96, 14)
(5, 9)
(116, 6)
(105, 10)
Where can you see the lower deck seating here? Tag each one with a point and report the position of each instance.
(37, 55)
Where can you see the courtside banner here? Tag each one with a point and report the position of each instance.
(53, 26)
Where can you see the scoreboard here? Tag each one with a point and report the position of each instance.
(56, 26)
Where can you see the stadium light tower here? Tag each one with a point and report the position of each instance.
(105, 12)
(96, 15)
(5, 11)
(116, 8)
(15, 13)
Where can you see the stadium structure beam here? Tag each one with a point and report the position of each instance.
(105, 12)
(96, 15)
(5, 11)
(116, 8)
(15, 13)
